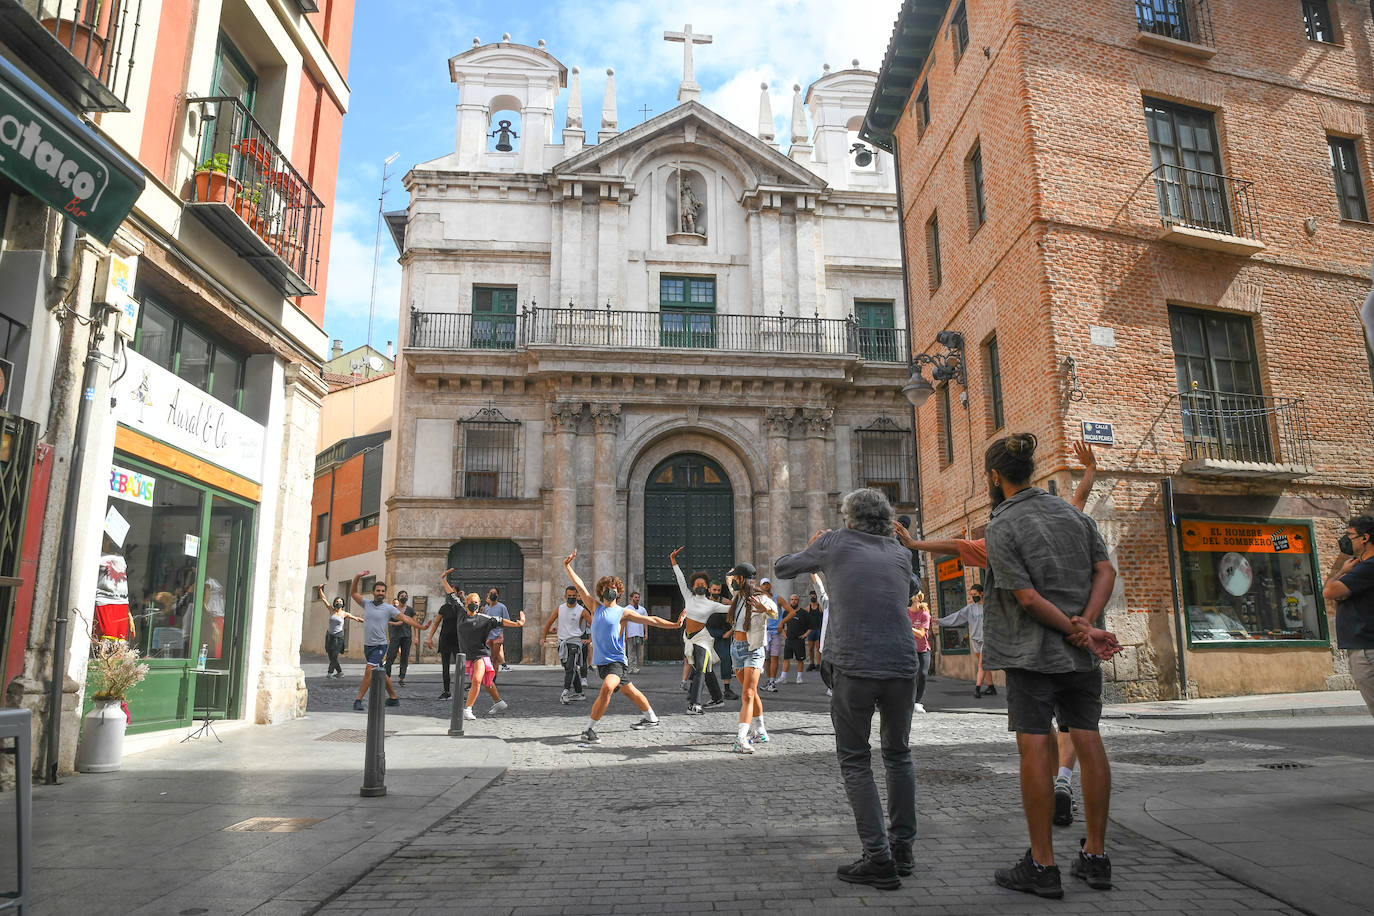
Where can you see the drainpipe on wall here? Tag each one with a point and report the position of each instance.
(906, 310)
(1166, 490)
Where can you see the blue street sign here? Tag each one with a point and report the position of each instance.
(1098, 433)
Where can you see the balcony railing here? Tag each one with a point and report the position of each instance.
(1197, 201)
(251, 194)
(1182, 20)
(83, 48)
(647, 330)
(1244, 429)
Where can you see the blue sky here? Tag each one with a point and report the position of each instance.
(402, 100)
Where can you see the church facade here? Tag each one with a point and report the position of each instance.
(679, 335)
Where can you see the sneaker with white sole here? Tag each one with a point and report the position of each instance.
(771, 687)
(799, 678)
(505, 667)
(579, 696)
(758, 737)
(920, 708)
(646, 722)
(565, 698)
(695, 710)
(829, 692)
(590, 736)
(747, 747)
(468, 714)
(498, 708)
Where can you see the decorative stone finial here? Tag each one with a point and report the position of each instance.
(542, 46)
(825, 67)
(476, 41)
(854, 63)
(574, 116)
(765, 115)
(609, 120)
(799, 131)
(505, 36)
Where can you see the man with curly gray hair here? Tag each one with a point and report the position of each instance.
(872, 652)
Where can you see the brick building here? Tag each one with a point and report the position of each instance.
(1152, 215)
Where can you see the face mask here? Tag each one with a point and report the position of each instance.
(1346, 546)
(338, 607)
(572, 602)
(700, 590)
(472, 608)
(609, 596)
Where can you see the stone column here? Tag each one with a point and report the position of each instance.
(565, 416)
(777, 421)
(606, 418)
(818, 423)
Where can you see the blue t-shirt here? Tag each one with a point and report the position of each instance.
(500, 611)
(608, 645)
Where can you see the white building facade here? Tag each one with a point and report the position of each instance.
(680, 335)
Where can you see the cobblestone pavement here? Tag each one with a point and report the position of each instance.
(669, 820)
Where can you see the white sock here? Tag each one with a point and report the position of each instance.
(1065, 776)
(467, 707)
(743, 732)
(591, 723)
(757, 725)
(649, 714)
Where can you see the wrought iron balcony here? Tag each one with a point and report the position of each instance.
(1245, 435)
(83, 49)
(667, 328)
(1207, 210)
(1182, 25)
(252, 197)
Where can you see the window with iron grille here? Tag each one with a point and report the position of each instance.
(1345, 168)
(958, 27)
(488, 456)
(1316, 15)
(946, 429)
(994, 361)
(935, 274)
(885, 459)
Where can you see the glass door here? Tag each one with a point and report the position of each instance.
(1189, 181)
(224, 598)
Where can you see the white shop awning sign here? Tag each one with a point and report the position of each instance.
(158, 404)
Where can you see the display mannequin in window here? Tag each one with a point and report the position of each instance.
(112, 619)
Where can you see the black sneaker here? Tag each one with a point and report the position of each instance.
(1029, 878)
(589, 736)
(1096, 870)
(646, 722)
(977, 693)
(904, 860)
(730, 694)
(1063, 807)
(882, 875)
(990, 690)
(445, 695)
(392, 701)
(712, 704)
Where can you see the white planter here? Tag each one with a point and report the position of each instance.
(102, 738)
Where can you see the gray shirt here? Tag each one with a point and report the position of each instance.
(868, 633)
(496, 610)
(971, 616)
(1038, 541)
(376, 618)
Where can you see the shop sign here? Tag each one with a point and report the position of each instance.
(951, 568)
(1239, 537)
(133, 486)
(50, 153)
(153, 401)
(118, 277)
(1095, 433)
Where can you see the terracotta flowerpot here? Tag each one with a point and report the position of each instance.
(216, 187)
(87, 33)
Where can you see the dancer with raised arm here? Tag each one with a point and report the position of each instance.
(334, 635)
(749, 613)
(473, 633)
(696, 638)
(446, 623)
(570, 618)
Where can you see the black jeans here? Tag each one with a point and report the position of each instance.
(570, 652)
(398, 648)
(446, 659)
(921, 675)
(700, 668)
(851, 710)
(333, 645)
(727, 668)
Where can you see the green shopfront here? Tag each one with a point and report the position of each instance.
(181, 517)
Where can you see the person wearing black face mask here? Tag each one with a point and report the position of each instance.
(473, 632)
(697, 640)
(1351, 585)
(334, 635)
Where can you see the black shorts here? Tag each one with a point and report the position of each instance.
(1037, 701)
(616, 668)
(794, 647)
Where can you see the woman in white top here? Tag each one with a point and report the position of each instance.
(749, 613)
(334, 635)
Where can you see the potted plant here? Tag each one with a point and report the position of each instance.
(115, 669)
(248, 203)
(87, 33)
(213, 182)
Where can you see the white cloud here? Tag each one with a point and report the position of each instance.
(349, 291)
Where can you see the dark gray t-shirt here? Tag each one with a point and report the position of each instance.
(869, 580)
(1038, 541)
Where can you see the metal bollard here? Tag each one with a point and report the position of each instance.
(17, 725)
(374, 761)
(455, 719)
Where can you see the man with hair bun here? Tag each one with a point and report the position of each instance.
(1049, 578)
(873, 656)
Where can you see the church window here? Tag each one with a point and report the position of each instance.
(885, 459)
(493, 317)
(488, 456)
(687, 311)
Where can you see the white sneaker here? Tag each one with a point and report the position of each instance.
(920, 708)
(564, 698)
(771, 686)
(497, 709)
(746, 748)
(799, 677)
(828, 692)
(468, 714)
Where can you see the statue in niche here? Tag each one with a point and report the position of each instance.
(689, 224)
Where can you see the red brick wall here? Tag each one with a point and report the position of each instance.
(1071, 242)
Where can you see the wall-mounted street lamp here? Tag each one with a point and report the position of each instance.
(945, 366)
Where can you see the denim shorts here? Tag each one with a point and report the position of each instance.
(742, 657)
(374, 655)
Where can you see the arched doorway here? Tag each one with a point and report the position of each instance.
(483, 563)
(688, 502)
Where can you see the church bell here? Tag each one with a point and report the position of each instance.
(503, 135)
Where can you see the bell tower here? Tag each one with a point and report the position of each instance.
(504, 81)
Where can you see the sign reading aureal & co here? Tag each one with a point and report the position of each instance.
(153, 401)
(50, 153)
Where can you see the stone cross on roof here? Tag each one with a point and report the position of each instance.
(688, 88)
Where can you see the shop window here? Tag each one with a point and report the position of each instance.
(189, 353)
(488, 456)
(885, 459)
(1316, 16)
(1250, 581)
(1345, 168)
(950, 596)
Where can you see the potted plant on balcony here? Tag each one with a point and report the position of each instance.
(213, 182)
(115, 669)
(87, 32)
(248, 204)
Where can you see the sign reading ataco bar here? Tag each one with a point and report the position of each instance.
(50, 153)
